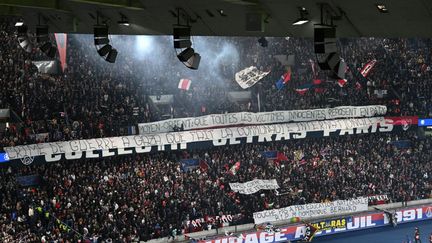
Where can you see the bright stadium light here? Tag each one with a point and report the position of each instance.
(19, 23)
(303, 17)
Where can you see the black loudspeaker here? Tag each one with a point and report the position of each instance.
(337, 65)
(323, 59)
(100, 31)
(193, 62)
(45, 47)
(101, 41)
(339, 70)
(25, 43)
(254, 22)
(180, 44)
(325, 40)
(186, 54)
(112, 55)
(333, 62)
(22, 30)
(333, 59)
(181, 32)
(104, 50)
(42, 34)
(181, 35)
(51, 52)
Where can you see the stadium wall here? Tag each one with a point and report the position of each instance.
(415, 211)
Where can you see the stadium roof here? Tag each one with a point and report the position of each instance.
(356, 18)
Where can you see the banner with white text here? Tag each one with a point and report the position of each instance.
(250, 118)
(329, 226)
(249, 76)
(113, 146)
(253, 186)
(312, 210)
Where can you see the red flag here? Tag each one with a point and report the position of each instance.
(367, 68)
(184, 84)
(317, 81)
(286, 76)
(203, 165)
(281, 157)
(61, 39)
(342, 82)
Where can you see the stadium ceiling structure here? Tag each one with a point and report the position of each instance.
(402, 18)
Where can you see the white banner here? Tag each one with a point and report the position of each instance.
(250, 118)
(249, 76)
(219, 137)
(312, 210)
(253, 186)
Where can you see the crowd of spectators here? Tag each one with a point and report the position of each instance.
(150, 196)
(93, 98)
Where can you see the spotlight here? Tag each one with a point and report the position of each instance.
(19, 23)
(42, 37)
(100, 31)
(221, 12)
(101, 35)
(300, 21)
(181, 35)
(324, 39)
(326, 51)
(104, 50)
(381, 8)
(101, 41)
(193, 62)
(124, 21)
(101, 38)
(23, 39)
(186, 54)
(303, 17)
(112, 55)
(25, 44)
(48, 49)
(263, 42)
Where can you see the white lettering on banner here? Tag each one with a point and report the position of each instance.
(249, 76)
(353, 223)
(250, 118)
(383, 198)
(253, 186)
(312, 210)
(220, 136)
(210, 219)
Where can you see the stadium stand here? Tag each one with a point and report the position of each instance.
(143, 197)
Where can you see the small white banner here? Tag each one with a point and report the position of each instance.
(253, 186)
(249, 76)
